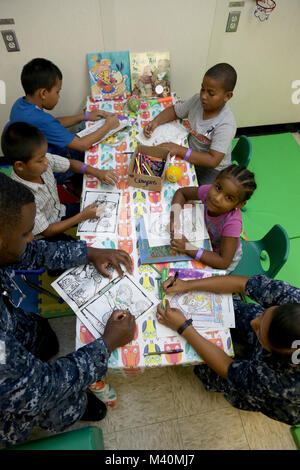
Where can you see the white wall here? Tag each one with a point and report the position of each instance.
(59, 30)
(264, 54)
(266, 57)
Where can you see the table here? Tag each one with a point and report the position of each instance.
(130, 359)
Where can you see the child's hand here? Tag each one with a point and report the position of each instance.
(180, 243)
(174, 149)
(109, 177)
(171, 317)
(90, 211)
(95, 115)
(149, 128)
(178, 286)
(112, 122)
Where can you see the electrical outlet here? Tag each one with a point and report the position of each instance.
(232, 21)
(10, 40)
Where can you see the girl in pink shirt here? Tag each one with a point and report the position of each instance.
(222, 201)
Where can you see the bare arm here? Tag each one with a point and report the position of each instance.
(109, 177)
(84, 143)
(209, 159)
(216, 260)
(218, 284)
(180, 198)
(167, 115)
(89, 212)
(95, 115)
(214, 357)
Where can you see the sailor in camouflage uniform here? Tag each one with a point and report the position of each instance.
(34, 392)
(265, 375)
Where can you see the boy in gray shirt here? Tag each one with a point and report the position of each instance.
(210, 121)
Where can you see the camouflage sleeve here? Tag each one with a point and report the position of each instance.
(268, 292)
(32, 387)
(61, 255)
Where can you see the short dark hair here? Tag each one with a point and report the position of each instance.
(243, 176)
(13, 196)
(19, 140)
(225, 73)
(39, 73)
(284, 329)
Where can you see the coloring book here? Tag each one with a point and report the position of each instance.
(192, 226)
(150, 74)
(125, 123)
(109, 74)
(208, 310)
(107, 222)
(163, 253)
(94, 297)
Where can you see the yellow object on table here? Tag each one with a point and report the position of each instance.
(174, 173)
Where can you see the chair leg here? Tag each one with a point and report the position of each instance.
(41, 289)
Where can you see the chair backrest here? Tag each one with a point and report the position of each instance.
(275, 243)
(242, 151)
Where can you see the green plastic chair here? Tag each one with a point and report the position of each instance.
(242, 151)
(89, 438)
(265, 256)
(295, 431)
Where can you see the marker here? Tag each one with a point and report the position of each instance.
(158, 353)
(175, 277)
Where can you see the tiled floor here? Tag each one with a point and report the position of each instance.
(168, 408)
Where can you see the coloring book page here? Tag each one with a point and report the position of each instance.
(169, 132)
(78, 285)
(99, 124)
(192, 226)
(107, 221)
(208, 311)
(118, 294)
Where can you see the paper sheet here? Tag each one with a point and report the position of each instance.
(169, 132)
(107, 222)
(192, 226)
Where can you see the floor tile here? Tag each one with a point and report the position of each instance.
(147, 398)
(213, 430)
(190, 396)
(264, 433)
(159, 436)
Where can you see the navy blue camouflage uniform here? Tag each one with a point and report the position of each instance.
(33, 392)
(260, 382)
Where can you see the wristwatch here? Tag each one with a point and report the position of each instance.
(184, 325)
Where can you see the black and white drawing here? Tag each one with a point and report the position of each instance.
(121, 294)
(107, 222)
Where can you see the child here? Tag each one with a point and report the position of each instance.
(210, 122)
(42, 82)
(26, 146)
(222, 203)
(265, 375)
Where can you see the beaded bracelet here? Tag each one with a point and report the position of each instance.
(188, 153)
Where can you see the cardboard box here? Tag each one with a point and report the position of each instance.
(144, 181)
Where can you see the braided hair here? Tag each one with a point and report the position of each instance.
(243, 176)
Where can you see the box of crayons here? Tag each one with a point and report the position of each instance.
(147, 167)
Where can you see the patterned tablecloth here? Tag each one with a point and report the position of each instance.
(130, 359)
